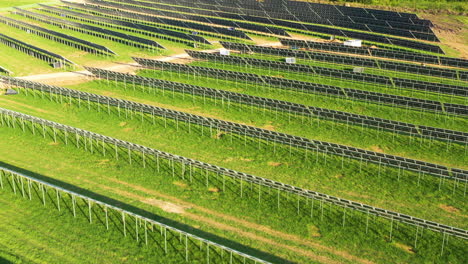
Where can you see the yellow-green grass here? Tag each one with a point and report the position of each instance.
(327, 175)
(67, 163)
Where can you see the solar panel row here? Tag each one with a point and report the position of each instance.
(60, 37)
(331, 21)
(132, 25)
(383, 53)
(193, 17)
(277, 22)
(380, 98)
(34, 51)
(340, 116)
(121, 14)
(333, 58)
(315, 15)
(92, 30)
(327, 147)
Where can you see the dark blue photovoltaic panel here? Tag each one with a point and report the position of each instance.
(378, 26)
(33, 50)
(297, 25)
(383, 53)
(176, 14)
(340, 74)
(136, 41)
(119, 14)
(25, 26)
(126, 24)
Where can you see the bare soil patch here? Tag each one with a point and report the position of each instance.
(405, 248)
(180, 184)
(219, 135)
(274, 164)
(249, 225)
(214, 190)
(103, 162)
(377, 149)
(451, 32)
(166, 206)
(269, 127)
(449, 208)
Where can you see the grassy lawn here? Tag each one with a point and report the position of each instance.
(368, 70)
(59, 238)
(323, 173)
(29, 65)
(255, 220)
(298, 239)
(337, 103)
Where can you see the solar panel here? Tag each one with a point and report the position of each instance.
(88, 29)
(34, 51)
(121, 14)
(364, 62)
(377, 52)
(57, 36)
(352, 93)
(132, 25)
(295, 25)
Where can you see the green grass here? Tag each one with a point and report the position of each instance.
(29, 65)
(97, 174)
(317, 100)
(59, 238)
(244, 224)
(368, 70)
(291, 169)
(332, 81)
(35, 66)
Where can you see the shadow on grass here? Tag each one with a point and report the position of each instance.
(189, 229)
(4, 261)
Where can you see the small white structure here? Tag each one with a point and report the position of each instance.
(358, 70)
(353, 43)
(290, 60)
(224, 52)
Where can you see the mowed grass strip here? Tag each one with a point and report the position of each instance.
(322, 240)
(320, 79)
(368, 70)
(124, 52)
(329, 174)
(402, 145)
(410, 115)
(33, 233)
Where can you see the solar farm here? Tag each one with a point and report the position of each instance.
(230, 131)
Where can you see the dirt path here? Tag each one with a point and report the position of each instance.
(180, 206)
(77, 77)
(211, 222)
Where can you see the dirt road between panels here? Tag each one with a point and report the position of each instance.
(77, 77)
(290, 242)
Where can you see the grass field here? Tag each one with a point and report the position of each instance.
(319, 100)
(250, 160)
(254, 220)
(60, 164)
